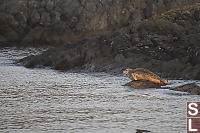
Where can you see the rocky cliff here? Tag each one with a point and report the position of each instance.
(57, 22)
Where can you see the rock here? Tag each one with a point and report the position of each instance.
(35, 18)
(191, 88)
(6, 27)
(141, 131)
(197, 15)
(197, 77)
(31, 63)
(148, 10)
(20, 18)
(142, 84)
(119, 58)
(173, 67)
(45, 19)
(55, 17)
(69, 62)
(56, 35)
(33, 37)
(3, 40)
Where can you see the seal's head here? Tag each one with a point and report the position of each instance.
(127, 71)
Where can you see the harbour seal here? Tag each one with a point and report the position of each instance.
(143, 74)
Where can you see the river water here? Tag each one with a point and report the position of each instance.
(45, 100)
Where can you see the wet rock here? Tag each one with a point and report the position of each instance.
(191, 88)
(142, 84)
(31, 62)
(142, 131)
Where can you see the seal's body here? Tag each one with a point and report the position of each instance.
(143, 74)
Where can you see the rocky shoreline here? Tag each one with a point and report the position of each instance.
(167, 44)
(107, 36)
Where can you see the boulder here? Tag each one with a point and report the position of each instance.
(191, 88)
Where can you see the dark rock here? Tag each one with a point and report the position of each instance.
(191, 88)
(197, 77)
(20, 18)
(173, 67)
(69, 62)
(142, 84)
(55, 17)
(7, 30)
(119, 58)
(141, 131)
(33, 37)
(32, 61)
(3, 40)
(35, 18)
(45, 19)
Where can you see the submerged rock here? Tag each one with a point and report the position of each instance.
(139, 84)
(191, 88)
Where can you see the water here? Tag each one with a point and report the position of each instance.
(45, 100)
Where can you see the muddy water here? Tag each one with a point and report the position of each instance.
(44, 100)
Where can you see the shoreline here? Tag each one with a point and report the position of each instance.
(167, 44)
